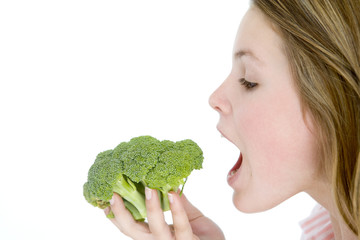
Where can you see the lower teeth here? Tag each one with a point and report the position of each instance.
(232, 173)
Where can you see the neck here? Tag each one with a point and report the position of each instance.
(323, 195)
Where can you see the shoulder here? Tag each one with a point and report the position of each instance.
(317, 226)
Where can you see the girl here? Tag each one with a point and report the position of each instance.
(291, 104)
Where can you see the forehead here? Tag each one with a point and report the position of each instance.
(256, 38)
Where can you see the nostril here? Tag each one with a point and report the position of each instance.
(213, 100)
(218, 109)
(213, 105)
(219, 102)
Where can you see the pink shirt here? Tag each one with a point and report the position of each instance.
(317, 226)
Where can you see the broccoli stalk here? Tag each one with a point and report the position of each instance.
(142, 162)
(133, 196)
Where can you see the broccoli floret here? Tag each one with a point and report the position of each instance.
(142, 162)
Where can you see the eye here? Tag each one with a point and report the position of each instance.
(247, 84)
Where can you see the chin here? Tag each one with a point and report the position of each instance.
(252, 205)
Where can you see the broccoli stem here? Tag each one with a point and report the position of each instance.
(128, 190)
(164, 200)
(134, 211)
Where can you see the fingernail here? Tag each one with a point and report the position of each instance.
(170, 197)
(148, 193)
(112, 200)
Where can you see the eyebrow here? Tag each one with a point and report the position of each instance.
(242, 53)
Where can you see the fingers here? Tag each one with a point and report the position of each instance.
(181, 222)
(201, 226)
(157, 228)
(191, 211)
(124, 221)
(120, 212)
(155, 216)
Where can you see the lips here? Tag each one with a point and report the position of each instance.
(236, 167)
(232, 173)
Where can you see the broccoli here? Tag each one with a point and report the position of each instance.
(142, 162)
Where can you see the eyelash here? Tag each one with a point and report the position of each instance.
(248, 85)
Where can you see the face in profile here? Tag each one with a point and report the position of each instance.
(260, 112)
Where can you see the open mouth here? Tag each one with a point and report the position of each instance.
(236, 167)
(231, 177)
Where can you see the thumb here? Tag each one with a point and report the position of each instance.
(191, 211)
(201, 226)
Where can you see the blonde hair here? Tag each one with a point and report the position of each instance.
(322, 41)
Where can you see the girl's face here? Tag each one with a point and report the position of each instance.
(260, 112)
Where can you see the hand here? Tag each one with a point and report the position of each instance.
(188, 222)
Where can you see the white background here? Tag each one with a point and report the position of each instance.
(78, 77)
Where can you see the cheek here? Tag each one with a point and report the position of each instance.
(269, 128)
(279, 148)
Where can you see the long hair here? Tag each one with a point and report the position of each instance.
(322, 42)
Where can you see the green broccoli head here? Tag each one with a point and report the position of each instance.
(142, 162)
(174, 165)
(102, 177)
(141, 155)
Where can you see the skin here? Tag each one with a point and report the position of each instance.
(280, 155)
(266, 122)
(189, 222)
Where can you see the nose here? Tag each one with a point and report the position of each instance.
(219, 101)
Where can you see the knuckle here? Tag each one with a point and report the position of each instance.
(159, 228)
(182, 227)
(126, 230)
